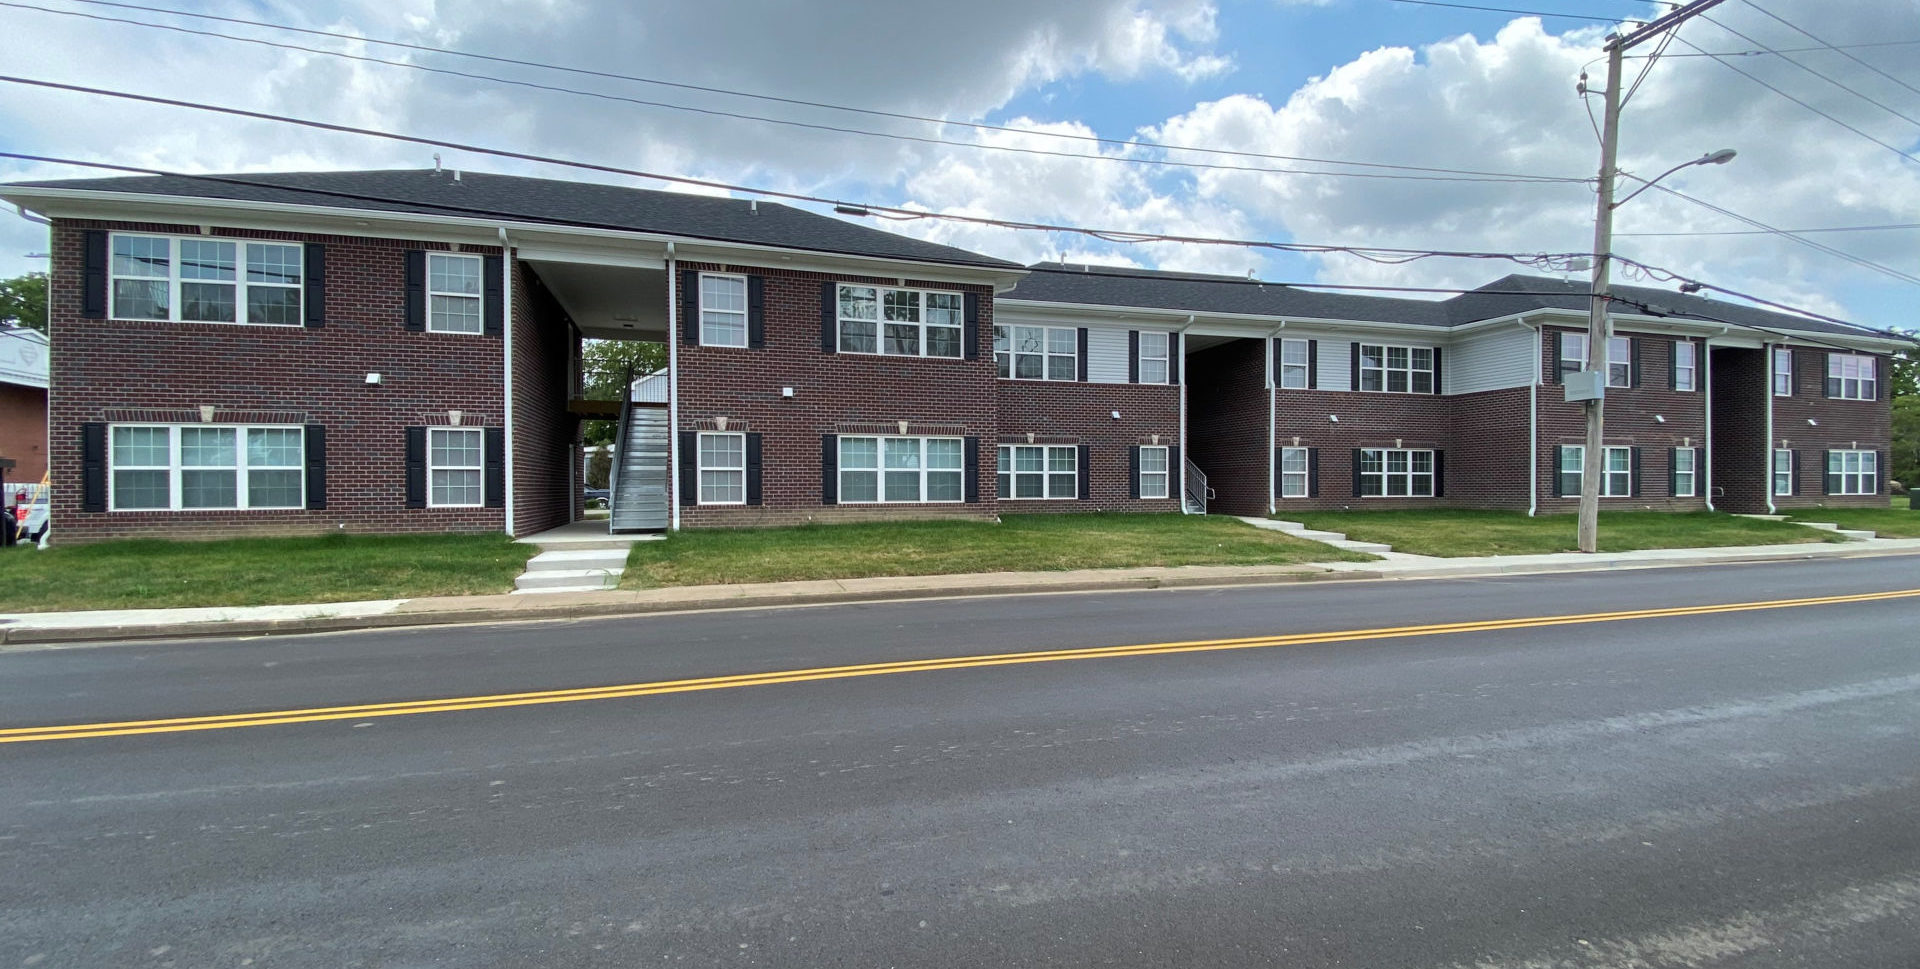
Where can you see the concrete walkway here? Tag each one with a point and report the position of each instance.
(26, 629)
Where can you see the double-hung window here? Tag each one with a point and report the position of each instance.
(1155, 477)
(1853, 473)
(1783, 470)
(723, 310)
(1685, 365)
(1573, 358)
(453, 293)
(200, 466)
(1616, 472)
(1685, 472)
(205, 280)
(1782, 372)
(901, 470)
(1396, 370)
(1153, 356)
(454, 469)
(1573, 353)
(1396, 473)
(1851, 376)
(1294, 360)
(1043, 353)
(1294, 465)
(900, 322)
(723, 469)
(1040, 471)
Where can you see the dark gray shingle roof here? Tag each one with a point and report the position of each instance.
(478, 194)
(1498, 298)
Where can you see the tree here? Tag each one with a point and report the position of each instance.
(23, 301)
(1903, 458)
(1905, 377)
(599, 468)
(604, 366)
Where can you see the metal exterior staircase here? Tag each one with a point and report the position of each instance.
(1194, 491)
(640, 474)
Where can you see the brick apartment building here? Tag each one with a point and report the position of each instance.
(400, 351)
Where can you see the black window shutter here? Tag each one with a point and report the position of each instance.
(1793, 473)
(972, 466)
(416, 291)
(753, 465)
(1673, 472)
(1133, 473)
(1313, 472)
(829, 322)
(1356, 471)
(756, 315)
(1634, 467)
(1826, 473)
(1553, 347)
(1173, 357)
(1437, 371)
(1353, 375)
(690, 307)
(416, 467)
(970, 325)
(1880, 466)
(1633, 357)
(1086, 470)
(93, 467)
(1559, 459)
(315, 297)
(493, 301)
(316, 441)
(1133, 356)
(494, 440)
(1313, 364)
(1439, 474)
(1276, 364)
(1082, 362)
(689, 485)
(1673, 365)
(93, 284)
(1176, 475)
(829, 469)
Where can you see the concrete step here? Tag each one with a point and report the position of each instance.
(574, 559)
(1850, 534)
(1372, 548)
(568, 580)
(1331, 538)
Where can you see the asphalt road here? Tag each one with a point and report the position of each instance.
(1725, 789)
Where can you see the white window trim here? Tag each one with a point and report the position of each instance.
(1410, 475)
(1165, 476)
(1625, 345)
(1606, 475)
(1305, 474)
(701, 467)
(1576, 362)
(1775, 373)
(1692, 473)
(481, 467)
(1164, 358)
(1045, 474)
(1866, 378)
(880, 323)
(1773, 474)
(700, 295)
(880, 469)
(174, 468)
(479, 298)
(1864, 482)
(1385, 370)
(239, 282)
(1304, 366)
(1046, 355)
(1692, 368)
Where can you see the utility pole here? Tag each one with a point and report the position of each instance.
(1599, 323)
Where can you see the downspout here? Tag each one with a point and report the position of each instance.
(1533, 423)
(506, 332)
(673, 391)
(1767, 452)
(1185, 454)
(1273, 424)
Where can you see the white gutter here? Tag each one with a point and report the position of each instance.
(506, 358)
(1533, 421)
(673, 389)
(1767, 361)
(1185, 454)
(1705, 471)
(1273, 423)
(21, 210)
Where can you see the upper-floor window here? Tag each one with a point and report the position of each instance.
(162, 467)
(1154, 347)
(1396, 370)
(453, 293)
(1573, 357)
(1685, 365)
(723, 310)
(1295, 358)
(1039, 471)
(1851, 376)
(900, 322)
(202, 280)
(895, 470)
(1782, 372)
(1396, 473)
(1043, 353)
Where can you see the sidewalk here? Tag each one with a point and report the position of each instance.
(131, 624)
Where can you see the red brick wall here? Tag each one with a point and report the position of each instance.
(1367, 420)
(108, 370)
(1227, 424)
(1082, 413)
(833, 393)
(1838, 424)
(1630, 421)
(543, 430)
(1487, 464)
(1741, 386)
(23, 432)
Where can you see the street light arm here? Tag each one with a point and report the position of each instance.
(1720, 157)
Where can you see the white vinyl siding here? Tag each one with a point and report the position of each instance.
(205, 466)
(1490, 361)
(901, 470)
(1106, 356)
(200, 279)
(1336, 359)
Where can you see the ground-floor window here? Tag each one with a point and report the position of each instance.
(1396, 473)
(454, 467)
(1039, 471)
(1685, 475)
(1155, 481)
(723, 469)
(1294, 465)
(194, 466)
(1853, 473)
(1616, 476)
(1782, 472)
(901, 470)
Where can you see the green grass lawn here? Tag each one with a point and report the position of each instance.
(1461, 532)
(148, 574)
(1898, 521)
(1020, 543)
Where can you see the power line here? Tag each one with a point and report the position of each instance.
(1769, 232)
(1864, 97)
(1669, 275)
(1837, 49)
(608, 75)
(1735, 68)
(1809, 243)
(1755, 53)
(1529, 13)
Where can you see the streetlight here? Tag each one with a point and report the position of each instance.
(1720, 157)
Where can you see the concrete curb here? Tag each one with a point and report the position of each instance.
(1423, 571)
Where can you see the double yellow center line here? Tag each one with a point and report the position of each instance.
(450, 704)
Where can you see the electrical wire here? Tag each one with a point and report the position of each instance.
(1862, 96)
(800, 102)
(1751, 53)
(1769, 232)
(1809, 243)
(1826, 46)
(1735, 68)
(1529, 13)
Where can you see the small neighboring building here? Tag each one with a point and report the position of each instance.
(23, 404)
